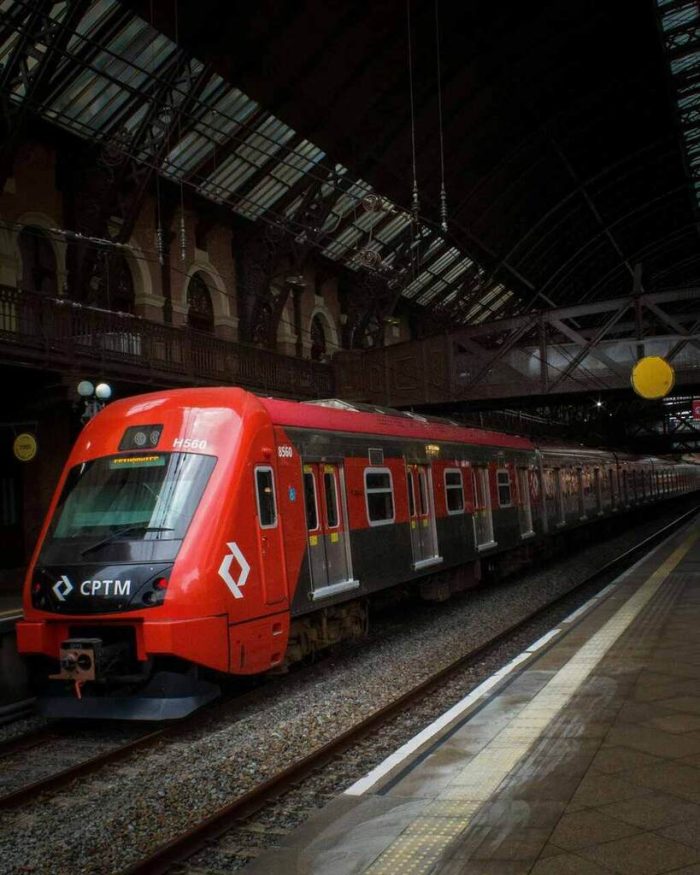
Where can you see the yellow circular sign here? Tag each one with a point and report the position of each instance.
(24, 447)
(653, 377)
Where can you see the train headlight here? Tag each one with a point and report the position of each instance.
(136, 437)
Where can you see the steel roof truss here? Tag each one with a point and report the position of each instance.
(35, 56)
(589, 347)
(665, 319)
(504, 348)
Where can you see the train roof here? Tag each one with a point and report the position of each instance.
(339, 416)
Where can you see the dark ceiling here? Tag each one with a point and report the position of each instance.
(564, 166)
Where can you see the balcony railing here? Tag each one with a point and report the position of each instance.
(58, 333)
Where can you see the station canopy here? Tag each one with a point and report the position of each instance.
(568, 138)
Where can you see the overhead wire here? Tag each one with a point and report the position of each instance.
(443, 191)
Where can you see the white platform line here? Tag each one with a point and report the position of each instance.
(543, 640)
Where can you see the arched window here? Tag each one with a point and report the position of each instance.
(120, 284)
(318, 339)
(38, 261)
(100, 277)
(200, 313)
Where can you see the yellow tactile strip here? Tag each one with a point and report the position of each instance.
(424, 841)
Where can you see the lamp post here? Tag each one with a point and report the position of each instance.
(95, 398)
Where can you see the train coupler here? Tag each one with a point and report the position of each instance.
(78, 660)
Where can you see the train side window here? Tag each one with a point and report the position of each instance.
(379, 496)
(331, 499)
(503, 481)
(310, 500)
(454, 493)
(265, 495)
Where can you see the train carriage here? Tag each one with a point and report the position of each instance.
(213, 529)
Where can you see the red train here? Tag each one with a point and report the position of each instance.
(211, 528)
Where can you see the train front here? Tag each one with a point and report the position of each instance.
(118, 619)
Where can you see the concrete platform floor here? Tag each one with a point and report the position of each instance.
(582, 758)
(10, 606)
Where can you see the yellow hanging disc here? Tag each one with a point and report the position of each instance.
(652, 377)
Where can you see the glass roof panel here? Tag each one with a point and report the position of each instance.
(259, 199)
(684, 62)
(342, 242)
(431, 291)
(93, 18)
(457, 269)
(680, 17)
(394, 227)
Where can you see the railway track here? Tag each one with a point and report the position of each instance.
(179, 850)
(63, 777)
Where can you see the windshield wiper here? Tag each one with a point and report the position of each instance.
(134, 527)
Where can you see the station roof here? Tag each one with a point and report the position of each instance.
(570, 145)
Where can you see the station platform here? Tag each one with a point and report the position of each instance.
(581, 756)
(10, 607)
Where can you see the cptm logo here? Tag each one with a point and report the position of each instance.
(235, 586)
(62, 588)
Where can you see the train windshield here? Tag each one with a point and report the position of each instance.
(135, 497)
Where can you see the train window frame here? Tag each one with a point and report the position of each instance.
(304, 475)
(483, 499)
(410, 494)
(500, 485)
(383, 521)
(454, 489)
(265, 469)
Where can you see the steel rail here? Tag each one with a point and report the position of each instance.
(15, 711)
(177, 850)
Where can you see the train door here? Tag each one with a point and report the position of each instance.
(269, 543)
(483, 513)
(326, 523)
(524, 507)
(421, 513)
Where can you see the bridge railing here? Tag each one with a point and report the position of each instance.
(57, 332)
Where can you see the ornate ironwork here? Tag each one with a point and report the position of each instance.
(43, 30)
(109, 193)
(269, 256)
